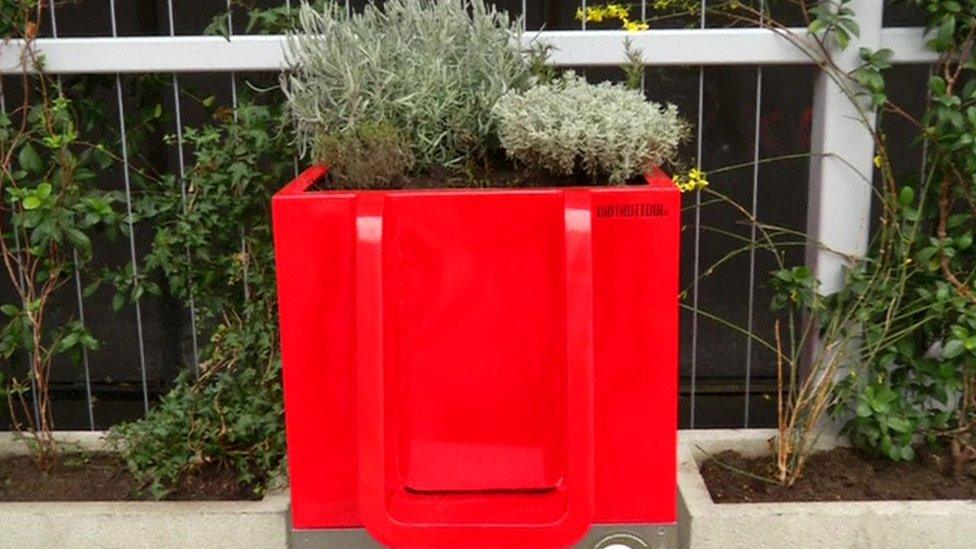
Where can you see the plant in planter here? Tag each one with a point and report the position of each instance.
(425, 70)
(919, 389)
(894, 362)
(433, 88)
(49, 155)
(570, 127)
(443, 348)
(228, 416)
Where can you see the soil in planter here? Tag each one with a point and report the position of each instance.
(840, 474)
(104, 477)
(497, 177)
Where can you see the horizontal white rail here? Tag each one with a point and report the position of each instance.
(148, 54)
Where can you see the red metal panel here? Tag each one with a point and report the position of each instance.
(479, 368)
(426, 372)
(635, 242)
(478, 361)
(314, 257)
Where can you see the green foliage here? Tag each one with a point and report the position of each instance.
(232, 418)
(542, 71)
(213, 248)
(794, 287)
(368, 156)
(634, 67)
(13, 14)
(215, 245)
(52, 211)
(261, 20)
(834, 19)
(916, 381)
(869, 74)
(604, 130)
(431, 68)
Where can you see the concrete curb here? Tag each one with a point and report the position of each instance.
(876, 524)
(169, 524)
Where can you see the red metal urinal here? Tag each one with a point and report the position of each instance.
(479, 368)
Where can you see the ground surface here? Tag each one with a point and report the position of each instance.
(841, 474)
(103, 477)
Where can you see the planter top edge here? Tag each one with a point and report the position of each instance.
(655, 181)
(273, 503)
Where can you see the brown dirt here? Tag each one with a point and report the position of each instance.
(104, 477)
(503, 176)
(841, 474)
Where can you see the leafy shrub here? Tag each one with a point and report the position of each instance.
(52, 207)
(602, 129)
(215, 253)
(230, 418)
(431, 68)
(373, 155)
(915, 381)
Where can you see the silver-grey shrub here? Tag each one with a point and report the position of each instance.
(603, 129)
(434, 69)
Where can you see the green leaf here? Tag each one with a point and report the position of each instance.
(44, 190)
(69, 340)
(953, 349)
(899, 425)
(970, 344)
(91, 288)
(30, 160)
(946, 31)
(31, 203)
(863, 409)
(77, 238)
(9, 310)
(907, 196)
(88, 341)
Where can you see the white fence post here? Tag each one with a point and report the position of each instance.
(841, 165)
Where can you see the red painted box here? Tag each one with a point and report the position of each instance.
(479, 368)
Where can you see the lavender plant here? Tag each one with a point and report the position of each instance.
(433, 69)
(604, 130)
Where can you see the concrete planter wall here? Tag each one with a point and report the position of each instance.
(128, 525)
(884, 524)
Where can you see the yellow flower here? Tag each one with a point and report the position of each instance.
(616, 11)
(694, 180)
(591, 15)
(636, 26)
(599, 14)
(877, 161)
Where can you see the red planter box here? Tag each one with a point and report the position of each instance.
(479, 368)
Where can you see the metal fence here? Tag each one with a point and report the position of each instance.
(750, 94)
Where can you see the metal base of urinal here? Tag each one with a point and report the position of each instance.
(601, 536)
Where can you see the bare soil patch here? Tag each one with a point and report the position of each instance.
(104, 477)
(840, 474)
(478, 177)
